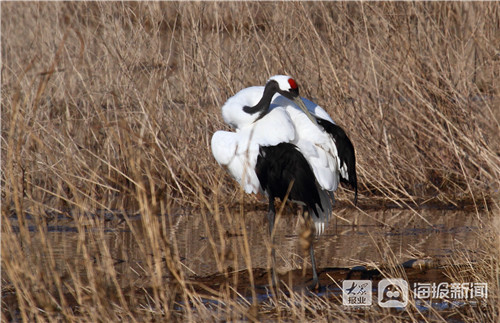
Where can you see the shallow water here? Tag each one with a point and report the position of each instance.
(352, 238)
(355, 244)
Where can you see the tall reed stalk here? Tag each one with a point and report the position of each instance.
(110, 107)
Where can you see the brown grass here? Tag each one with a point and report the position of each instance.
(111, 106)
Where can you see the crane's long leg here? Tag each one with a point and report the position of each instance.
(315, 282)
(271, 214)
(315, 279)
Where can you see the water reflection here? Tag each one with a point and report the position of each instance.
(395, 235)
(208, 243)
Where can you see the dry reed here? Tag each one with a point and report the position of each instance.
(110, 107)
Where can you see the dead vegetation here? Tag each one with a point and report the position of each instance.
(111, 106)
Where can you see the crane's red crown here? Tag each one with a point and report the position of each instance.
(292, 83)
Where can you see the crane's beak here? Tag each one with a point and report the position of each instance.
(298, 101)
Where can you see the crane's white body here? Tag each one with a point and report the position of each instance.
(281, 142)
(285, 122)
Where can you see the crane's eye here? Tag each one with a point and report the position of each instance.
(294, 92)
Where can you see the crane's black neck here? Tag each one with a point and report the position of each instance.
(262, 108)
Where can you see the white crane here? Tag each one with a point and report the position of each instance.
(285, 146)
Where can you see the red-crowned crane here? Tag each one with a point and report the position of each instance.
(286, 146)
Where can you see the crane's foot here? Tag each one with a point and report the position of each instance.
(314, 286)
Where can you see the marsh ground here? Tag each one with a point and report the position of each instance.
(107, 114)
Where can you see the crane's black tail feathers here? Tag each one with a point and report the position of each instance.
(354, 185)
(346, 155)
